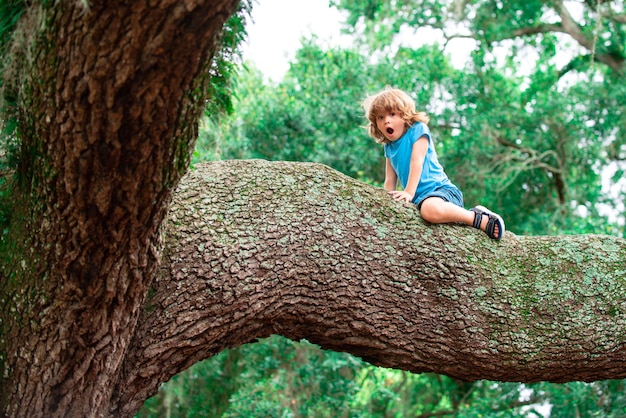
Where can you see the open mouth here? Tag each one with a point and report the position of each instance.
(390, 131)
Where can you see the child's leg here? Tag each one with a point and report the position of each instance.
(436, 210)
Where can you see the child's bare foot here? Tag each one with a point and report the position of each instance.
(493, 224)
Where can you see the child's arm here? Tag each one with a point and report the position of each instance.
(418, 153)
(391, 178)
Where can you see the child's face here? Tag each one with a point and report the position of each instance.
(391, 125)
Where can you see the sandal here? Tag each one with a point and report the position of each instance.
(494, 220)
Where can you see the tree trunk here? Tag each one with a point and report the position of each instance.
(109, 95)
(256, 248)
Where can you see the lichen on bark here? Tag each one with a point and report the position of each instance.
(255, 248)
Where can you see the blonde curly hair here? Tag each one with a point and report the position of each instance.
(391, 100)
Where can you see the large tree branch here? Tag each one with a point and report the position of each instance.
(255, 248)
(570, 27)
(615, 62)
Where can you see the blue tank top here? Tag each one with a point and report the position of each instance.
(399, 153)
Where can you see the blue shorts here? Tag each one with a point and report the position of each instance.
(448, 193)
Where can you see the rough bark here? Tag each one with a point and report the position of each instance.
(255, 248)
(108, 99)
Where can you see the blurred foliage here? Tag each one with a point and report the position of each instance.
(313, 115)
(10, 12)
(277, 377)
(225, 63)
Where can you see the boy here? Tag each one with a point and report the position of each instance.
(411, 158)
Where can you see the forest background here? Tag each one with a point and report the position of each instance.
(532, 124)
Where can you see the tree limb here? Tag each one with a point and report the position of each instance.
(255, 248)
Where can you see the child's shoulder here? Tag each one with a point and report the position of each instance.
(419, 128)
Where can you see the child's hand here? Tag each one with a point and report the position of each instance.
(401, 195)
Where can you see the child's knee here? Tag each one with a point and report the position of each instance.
(430, 211)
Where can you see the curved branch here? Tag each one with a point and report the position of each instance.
(616, 63)
(570, 27)
(616, 17)
(255, 248)
(540, 28)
